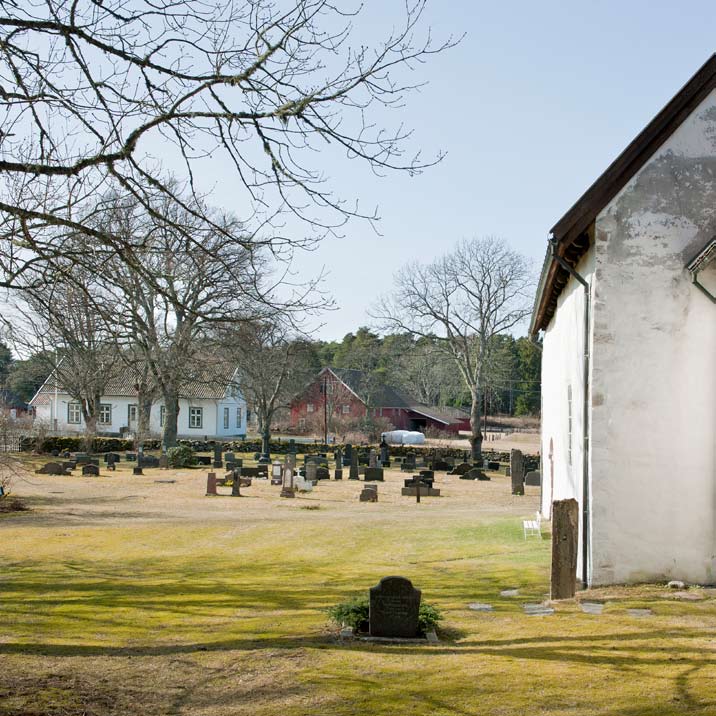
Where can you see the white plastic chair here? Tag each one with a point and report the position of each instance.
(533, 527)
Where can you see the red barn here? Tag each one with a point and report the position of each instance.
(346, 395)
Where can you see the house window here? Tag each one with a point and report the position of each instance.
(346, 410)
(238, 417)
(196, 417)
(569, 424)
(132, 413)
(226, 418)
(105, 414)
(162, 415)
(74, 413)
(309, 407)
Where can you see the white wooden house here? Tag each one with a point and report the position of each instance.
(210, 406)
(627, 304)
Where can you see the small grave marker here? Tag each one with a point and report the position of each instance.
(394, 608)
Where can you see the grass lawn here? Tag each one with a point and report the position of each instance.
(122, 595)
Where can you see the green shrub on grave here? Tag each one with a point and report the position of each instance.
(354, 613)
(180, 456)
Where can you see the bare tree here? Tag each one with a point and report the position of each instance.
(99, 96)
(460, 301)
(271, 367)
(60, 323)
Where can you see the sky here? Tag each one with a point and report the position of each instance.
(530, 108)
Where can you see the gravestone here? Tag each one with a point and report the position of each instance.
(475, 474)
(311, 471)
(163, 461)
(322, 473)
(218, 462)
(533, 478)
(418, 489)
(373, 458)
(236, 486)
(353, 474)
(137, 471)
(394, 608)
(338, 457)
(384, 451)
(373, 474)
(287, 487)
(338, 474)
(130, 456)
(150, 461)
(276, 472)
(517, 472)
(111, 457)
(211, 484)
(441, 466)
(55, 453)
(90, 471)
(565, 539)
(461, 469)
(229, 457)
(52, 468)
(493, 465)
(348, 456)
(369, 494)
(82, 458)
(112, 466)
(203, 460)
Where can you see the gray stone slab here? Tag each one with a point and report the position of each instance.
(509, 592)
(479, 607)
(537, 610)
(592, 607)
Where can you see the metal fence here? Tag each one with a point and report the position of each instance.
(10, 442)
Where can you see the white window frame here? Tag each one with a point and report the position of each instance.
(226, 418)
(310, 407)
(162, 415)
(196, 415)
(238, 417)
(105, 411)
(346, 409)
(74, 413)
(133, 412)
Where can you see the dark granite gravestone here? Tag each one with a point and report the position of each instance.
(236, 483)
(517, 472)
(52, 468)
(418, 488)
(229, 457)
(112, 466)
(338, 474)
(338, 458)
(82, 458)
(493, 465)
(218, 462)
(461, 469)
(384, 451)
(163, 461)
(322, 473)
(373, 474)
(130, 456)
(211, 484)
(427, 473)
(348, 456)
(90, 470)
(353, 474)
(533, 478)
(475, 474)
(150, 461)
(137, 471)
(203, 460)
(111, 457)
(369, 494)
(441, 466)
(394, 608)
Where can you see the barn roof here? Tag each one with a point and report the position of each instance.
(572, 231)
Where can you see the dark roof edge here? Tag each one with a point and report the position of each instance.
(585, 210)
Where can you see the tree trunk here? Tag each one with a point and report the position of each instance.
(476, 436)
(91, 412)
(265, 445)
(144, 411)
(171, 418)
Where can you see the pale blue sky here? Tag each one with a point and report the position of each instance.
(533, 105)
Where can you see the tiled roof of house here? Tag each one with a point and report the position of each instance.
(208, 379)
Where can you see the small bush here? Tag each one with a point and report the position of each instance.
(354, 613)
(180, 456)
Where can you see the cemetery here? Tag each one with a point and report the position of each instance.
(170, 584)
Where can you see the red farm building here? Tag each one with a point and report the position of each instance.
(347, 395)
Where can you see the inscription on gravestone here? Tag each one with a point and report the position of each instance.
(394, 607)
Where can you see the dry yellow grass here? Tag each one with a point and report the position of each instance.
(121, 595)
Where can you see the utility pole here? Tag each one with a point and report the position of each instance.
(325, 410)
